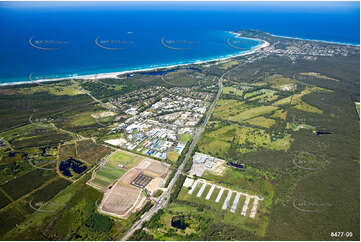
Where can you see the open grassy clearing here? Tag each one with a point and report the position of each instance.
(261, 96)
(225, 133)
(297, 127)
(110, 136)
(298, 103)
(228, 65)
(213, 146)
(253, 112)
(82, 119)
(185, 137)
(280, 82)
(261, 122)
(116, 166)
(69, 87)
(107, 175)
(172, 156)
(251, 181)
(307, 108)
(228, 107)
(129, 160)
(252, 139)
(232, 91)
(266, 93)
(280, 113)
(264, 98)
(318, 75)
(243, 139)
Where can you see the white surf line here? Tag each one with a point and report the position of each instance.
(202, 189)
(210, 192)
(219, 195)
(245, 206)
(225, 204)
(235, 202)
(254, 208)
(193, 187)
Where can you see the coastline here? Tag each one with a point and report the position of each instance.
(115, 74)
(165, 66)
(316, 40)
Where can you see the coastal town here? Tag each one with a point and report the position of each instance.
(294, 48)
(213, 150)
(160, 126)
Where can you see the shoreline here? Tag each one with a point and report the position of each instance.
(116, 74)
(316, 40)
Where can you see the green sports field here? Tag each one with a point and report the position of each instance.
(117, 165)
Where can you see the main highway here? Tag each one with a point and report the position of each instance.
(163, 200)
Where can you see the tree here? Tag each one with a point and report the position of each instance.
(99, 222)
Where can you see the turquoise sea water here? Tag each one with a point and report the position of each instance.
(88, 38)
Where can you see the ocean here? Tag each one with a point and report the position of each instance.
(61, 39)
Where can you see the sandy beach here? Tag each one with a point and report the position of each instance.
(116, 74)
(316, 40)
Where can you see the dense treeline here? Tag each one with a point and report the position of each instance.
(99, 222)
(177, 188)
(154, 222)
(220, 231)
(189, 162)
(141, 235)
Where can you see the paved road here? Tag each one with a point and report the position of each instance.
(163, 200)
